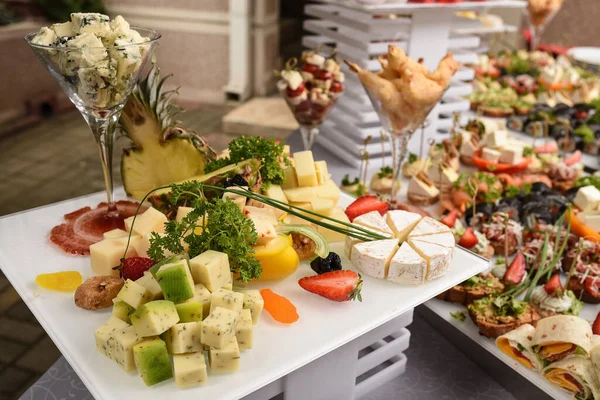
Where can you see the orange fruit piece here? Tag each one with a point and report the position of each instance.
(280, 308)
(64, 281)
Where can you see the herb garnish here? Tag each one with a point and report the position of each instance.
(347, 182)
(412, 157)
(384, 172)
(459, 315)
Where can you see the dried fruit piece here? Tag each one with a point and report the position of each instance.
(280, 308)
(64, 281)
(98, 292)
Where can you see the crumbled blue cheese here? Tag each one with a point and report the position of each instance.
(45, 37)
(64, 29)
(98, 24)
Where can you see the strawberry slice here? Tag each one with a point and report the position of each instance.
(134, 267)
(573, 158)
(450, 219)
(591, 286)
(548, 148)
(596, 325)
(516, 271)
(336, 285)
(365, 204)
(554, 286)
(468, 239)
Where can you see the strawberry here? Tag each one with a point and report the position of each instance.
(468, 239)
(336, 285)
(591, 286)
(365, 204)
(450, 219)
(323, 75)
(596, 325)
(516, 271)
(337, 87)
(310, 68)
(296, 92)
(553, 286)
(134, 267)
(573, 158)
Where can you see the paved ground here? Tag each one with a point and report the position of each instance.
(35, 172)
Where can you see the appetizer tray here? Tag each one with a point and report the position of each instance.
(468, 328)
(278, 349)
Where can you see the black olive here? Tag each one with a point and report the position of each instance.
(322, 265)
(536, 212)
(237, 180)
(534, 197)
(539, 187)
(483, 210)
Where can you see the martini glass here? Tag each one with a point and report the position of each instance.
(309, 113)
(538, 22)
(400, 127)
(98, 80)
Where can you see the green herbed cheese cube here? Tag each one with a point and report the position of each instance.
(226, 359)
(190, 369)
(134, 294)
(219, 327)
(105, 332)
(122, 310)
(211, 269)
(152, 361)
(176, 281)
(243, 330)
(227, 299)
(151, 284)
(190, 311)
(184, 338)
(254, 302)
(154, 318)
(120, 347)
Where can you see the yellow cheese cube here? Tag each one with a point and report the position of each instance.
(300, 194)
(322, 206)
(182, 212)
(260, 213)
(227, 299)
(275, 192)
(238, 199)
(226, 359)
(333, 236)
(305, 168)
(134, 294)
(143, 244)
(219, 327)
(202, 296)
(211, 269)
(243, 330)
(265, 231)
(290, 181)
(189, 369)
(184, 338)
(107, 254)
(151, 220)
(329, 190)
(115, 234)
(322, 173)
(151, 284)
(254, 302)
(106, 331)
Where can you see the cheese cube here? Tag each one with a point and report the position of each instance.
(121, 347)
(322, 173)
(373, 258)
(333, 236)
(407, 266)
(305, 168)
(44, 37)
(119, 26)
(254, 302)
(511, 155)
(447, 176)
(184, 338)
(591, 219)
(151, 220)
(265, 231)
(151, 284)
(490, 154)
(322, 206)
(202, 296)
(329, 190)
(211, 269)
(467, 149)
(243, 330)
(219, 327)
(122, 310)
(154, 318)
(134, 294)
(103, 334)
(115, 234)
(275, 192)
(227, 299)
(419, 187)
(375, 221)
(225, 359)
(497, 139)
(143, 244)
(107, 254)
(190, 311)
(260, 213)
(152, 361)
(300, 194)
(238, 199)
(182, 212)
(189, 369)
(290, 181)
(402, 222)
(587, 198)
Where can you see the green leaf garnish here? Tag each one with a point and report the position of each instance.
(459, 315)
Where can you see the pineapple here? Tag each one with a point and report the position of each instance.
(161, 150)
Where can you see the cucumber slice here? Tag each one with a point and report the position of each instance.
(322, 249)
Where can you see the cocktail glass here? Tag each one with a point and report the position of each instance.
(98, 80)
(310, 114)
(400, 126)
(538, 23)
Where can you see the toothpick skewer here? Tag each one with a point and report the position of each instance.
(431, 143)
(473, 185)
(382, 135)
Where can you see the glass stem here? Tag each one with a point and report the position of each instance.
(103, 130)
(399, 144)
(308, 134)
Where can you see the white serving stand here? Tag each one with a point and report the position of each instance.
(425, 31)
(318, 357)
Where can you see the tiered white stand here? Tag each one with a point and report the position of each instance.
(360, 35)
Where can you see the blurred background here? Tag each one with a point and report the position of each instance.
(222, 55)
